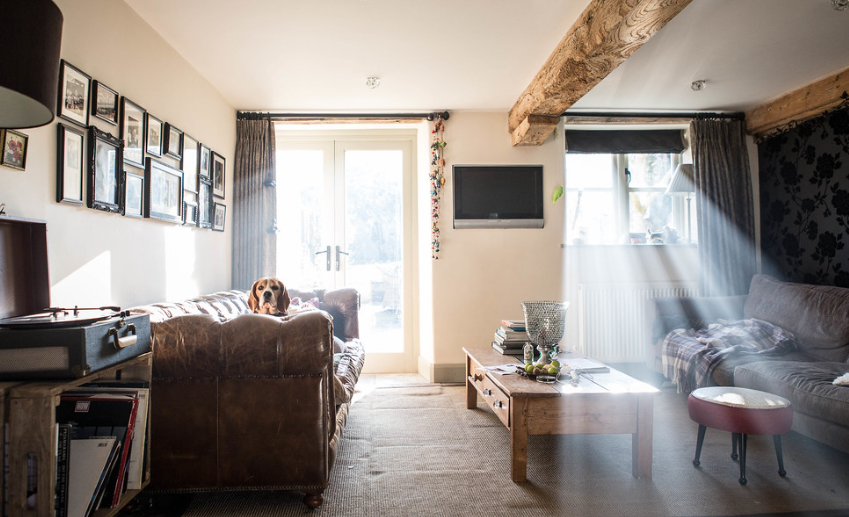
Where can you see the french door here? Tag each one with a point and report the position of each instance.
(345, 208)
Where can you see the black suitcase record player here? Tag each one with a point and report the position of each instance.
(42, 342)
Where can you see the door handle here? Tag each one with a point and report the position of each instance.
(327, 255)
(338, 252)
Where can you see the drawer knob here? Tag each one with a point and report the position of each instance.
(487, 392)
(497, 404)
(477, 377)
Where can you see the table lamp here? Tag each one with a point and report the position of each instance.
(682, 185)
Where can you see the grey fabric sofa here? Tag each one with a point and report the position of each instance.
(818, 317)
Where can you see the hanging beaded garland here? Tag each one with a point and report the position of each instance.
(437, 180)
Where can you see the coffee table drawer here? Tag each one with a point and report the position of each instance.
(496, 399)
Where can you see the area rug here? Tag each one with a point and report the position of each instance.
(417, 451)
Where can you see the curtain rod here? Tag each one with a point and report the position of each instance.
(691, 115)
(319, 116)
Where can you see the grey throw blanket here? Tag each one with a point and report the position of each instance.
(689, 357)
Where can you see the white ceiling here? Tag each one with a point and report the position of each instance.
(315, 55)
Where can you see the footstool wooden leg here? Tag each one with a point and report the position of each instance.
(743, 458)
(699, 442)
(777, 439)
(734, 438)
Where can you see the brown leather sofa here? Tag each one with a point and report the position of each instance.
(249, 401)
(816, 315)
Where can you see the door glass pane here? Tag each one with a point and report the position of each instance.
(300, 192)
(374, 236)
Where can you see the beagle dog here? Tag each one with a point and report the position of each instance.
(269, 296)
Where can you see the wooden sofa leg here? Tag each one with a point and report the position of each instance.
(313, 498)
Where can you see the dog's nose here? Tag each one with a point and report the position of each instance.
(266, 294)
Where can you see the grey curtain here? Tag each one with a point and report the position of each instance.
(724, 206)
(255, 201)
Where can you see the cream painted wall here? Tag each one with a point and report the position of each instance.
(483, 275)
(100, 258)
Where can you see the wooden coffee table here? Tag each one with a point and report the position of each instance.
(610, 403)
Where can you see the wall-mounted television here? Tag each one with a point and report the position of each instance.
(498, 196)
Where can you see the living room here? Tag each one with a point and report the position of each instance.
(481, 276)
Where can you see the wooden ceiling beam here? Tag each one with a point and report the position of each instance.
(604, 36)
(807, 102)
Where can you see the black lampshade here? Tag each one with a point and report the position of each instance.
(30, 40)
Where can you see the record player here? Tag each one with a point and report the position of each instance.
(38, 341)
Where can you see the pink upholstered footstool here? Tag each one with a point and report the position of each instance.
(742, 412)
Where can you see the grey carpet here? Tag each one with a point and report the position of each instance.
(416, 451)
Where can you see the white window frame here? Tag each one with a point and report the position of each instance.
(622, 190)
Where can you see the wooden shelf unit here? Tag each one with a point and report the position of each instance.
(30, 410)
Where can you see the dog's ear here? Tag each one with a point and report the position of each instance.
(253, 299)
(283, 299)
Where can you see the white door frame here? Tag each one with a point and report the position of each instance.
(405, 139)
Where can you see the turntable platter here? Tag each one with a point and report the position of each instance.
(58, 318)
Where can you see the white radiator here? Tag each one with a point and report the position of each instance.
(612, 318)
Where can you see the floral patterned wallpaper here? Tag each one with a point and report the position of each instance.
(804, 188)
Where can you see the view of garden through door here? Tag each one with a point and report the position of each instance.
(344, 221)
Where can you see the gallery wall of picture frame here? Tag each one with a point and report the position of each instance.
(151, 169)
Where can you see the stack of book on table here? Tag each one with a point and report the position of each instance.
(510, 337)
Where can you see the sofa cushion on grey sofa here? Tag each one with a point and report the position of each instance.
(817, 315)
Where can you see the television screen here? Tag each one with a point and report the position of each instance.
(498, 196)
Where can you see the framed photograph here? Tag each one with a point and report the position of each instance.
(104, 171)
(218, 175)
(104, 102)
(133, 195)
(164, 195)
(74, 87)
(14, 149)
(190, 163)
(190, 209)
(173, 142)
(69, 161)
(133, 132)
(204, 157)
(218, 213)
(154, 135)
(204, 204)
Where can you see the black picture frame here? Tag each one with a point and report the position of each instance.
(105, 174)
(204, 162)
(133, 195)
(218, 171)
(190, 163)
(154, 135)
(205, 204)
(163, 192)
(14, 152)
(70, 164)
(173, 145)
(190, 213)
(133, 132)
(219, 215)
(104, 102)
(74, 91)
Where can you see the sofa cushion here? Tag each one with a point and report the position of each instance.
(815, 314)
(809, 386)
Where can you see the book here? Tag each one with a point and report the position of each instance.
(514, 324)
(511, 334)
(514, 341)
(99, 415)
(63, 454)
(138, 445)
(88, 462)
(507, 350)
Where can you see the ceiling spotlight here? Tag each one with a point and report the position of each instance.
(840, 5)
(373, 82)
(700, 84)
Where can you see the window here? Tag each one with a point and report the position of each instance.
(621, 199)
